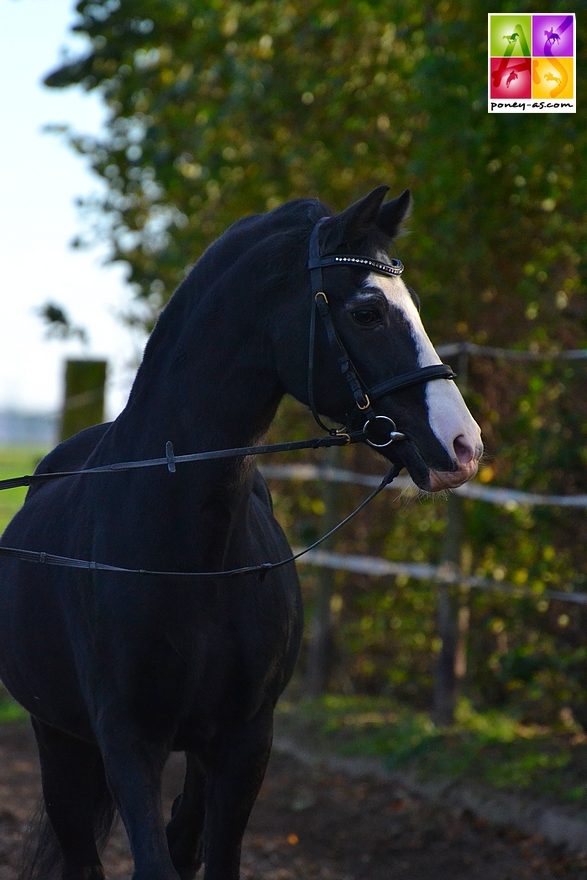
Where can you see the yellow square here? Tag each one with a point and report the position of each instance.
(552, 78)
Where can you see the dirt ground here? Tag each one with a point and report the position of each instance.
(309, 824)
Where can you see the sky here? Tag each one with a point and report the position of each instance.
(40, 178)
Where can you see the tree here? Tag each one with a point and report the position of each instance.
(219, 109)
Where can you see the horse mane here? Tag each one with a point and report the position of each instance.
(281, 236)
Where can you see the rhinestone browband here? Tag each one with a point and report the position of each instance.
(394, 267)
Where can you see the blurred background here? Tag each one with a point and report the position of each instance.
(170, 120)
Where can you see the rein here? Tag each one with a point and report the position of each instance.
(263, 568)
(378, 431)
(170, 462)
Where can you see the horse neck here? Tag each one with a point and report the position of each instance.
(207, 380)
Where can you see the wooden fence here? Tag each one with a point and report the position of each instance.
(447, 575)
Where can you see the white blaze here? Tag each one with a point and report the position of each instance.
(448, 415)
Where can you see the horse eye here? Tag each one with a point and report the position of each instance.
(365, 317)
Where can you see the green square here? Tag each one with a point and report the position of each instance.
(510, 35)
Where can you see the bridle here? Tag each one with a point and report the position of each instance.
(363, 397)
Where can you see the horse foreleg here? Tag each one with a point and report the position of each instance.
(234, 781)
(134, 768)
(77, 801)
(185, 831)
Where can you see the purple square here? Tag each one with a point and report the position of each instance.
(552, 35)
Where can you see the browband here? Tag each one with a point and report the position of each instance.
(395, 267)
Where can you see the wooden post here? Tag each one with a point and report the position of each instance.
(447, 612)
(320, 644)
(452, 620)
(83, 403)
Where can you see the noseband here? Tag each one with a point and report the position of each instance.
(376, 427)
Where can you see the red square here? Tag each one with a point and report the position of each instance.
(511, 78)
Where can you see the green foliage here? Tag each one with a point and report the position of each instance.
(220, 109)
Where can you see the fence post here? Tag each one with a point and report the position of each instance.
(447, 615)
(83, 399)
(452, 620)
(320, 644)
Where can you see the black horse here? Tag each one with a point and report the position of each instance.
(118, 670)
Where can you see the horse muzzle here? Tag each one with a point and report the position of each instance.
(440, 480)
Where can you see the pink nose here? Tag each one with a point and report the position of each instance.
(465, 451)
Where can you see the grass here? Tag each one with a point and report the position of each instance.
(490, 748)
(9, 710)
(14, 462)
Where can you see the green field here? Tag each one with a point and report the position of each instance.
(14, 462)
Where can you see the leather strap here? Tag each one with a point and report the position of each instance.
(407, 380)
(262, 569)
(171, 460)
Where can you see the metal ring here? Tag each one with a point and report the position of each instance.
(366, 405)
(321, 293)
(393, 433)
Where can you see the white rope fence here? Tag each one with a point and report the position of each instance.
(423, 571)
(502, 497)
(442, 574)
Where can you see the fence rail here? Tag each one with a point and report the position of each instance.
(424, 571)
(440, 574)
(452, 613)
(502, 497)
(452, 349)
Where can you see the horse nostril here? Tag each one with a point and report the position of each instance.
(463, 450)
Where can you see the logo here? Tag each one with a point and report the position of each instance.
(531, 63)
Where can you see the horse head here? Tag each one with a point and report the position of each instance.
(375, 317)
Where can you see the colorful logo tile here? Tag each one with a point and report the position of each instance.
(511, 78)
(532, 62)
(552, 78)
(553, 35)
(510, 35)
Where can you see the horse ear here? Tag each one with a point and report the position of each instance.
(392, 214)
(352, 224)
